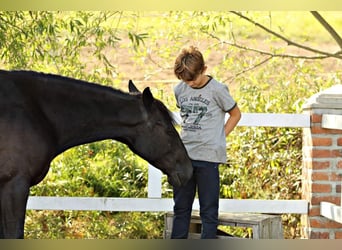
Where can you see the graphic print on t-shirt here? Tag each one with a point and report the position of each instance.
(192, 110)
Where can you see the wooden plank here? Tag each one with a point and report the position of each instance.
(331, 211)
(265, 226)
(267, 120)
(162, 204)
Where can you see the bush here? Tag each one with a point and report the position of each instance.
(101, 169)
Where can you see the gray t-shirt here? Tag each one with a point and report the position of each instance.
(203, 116)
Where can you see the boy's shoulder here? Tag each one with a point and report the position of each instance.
(181, 86)
(181, 83)
(215, 84)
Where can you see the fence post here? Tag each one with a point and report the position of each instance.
(322, 162)
(154, 185)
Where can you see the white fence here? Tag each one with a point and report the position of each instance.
(154, 201)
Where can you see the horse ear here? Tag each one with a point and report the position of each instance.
(147, 98)
(132, 88)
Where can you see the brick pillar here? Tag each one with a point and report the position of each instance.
(322, 163)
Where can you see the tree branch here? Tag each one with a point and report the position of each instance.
(288, 41)
(265, 52)
(329, 28)
(249, 69)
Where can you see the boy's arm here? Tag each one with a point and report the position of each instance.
(234, 118)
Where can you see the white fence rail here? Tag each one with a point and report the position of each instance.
(155, 203)
(162, 205)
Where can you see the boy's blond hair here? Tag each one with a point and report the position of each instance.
(189, 64)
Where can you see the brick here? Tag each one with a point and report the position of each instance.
(320, 222)
(336, 153)
(315, 211)
(321, 188)
(325, 153)
(321, 165)
(317, 199)
(319, 130)
(339, 164)
(335, 177)
(338, 235)
(320, 176)
(339, 141)
(319, 235)
(319, 141)
(315, 118)
(325, 176)
(320, 153)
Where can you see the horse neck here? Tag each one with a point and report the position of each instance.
(82, 113)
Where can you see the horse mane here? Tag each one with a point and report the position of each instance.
(165, 111)
(50, 76)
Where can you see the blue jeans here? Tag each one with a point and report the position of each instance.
(206, 180)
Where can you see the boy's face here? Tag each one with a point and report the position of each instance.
(199, 81)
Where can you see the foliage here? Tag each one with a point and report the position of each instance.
(80, 171)
(93, 225)
(76, 44)
(266, 162)
(263, 163)
(101, 169)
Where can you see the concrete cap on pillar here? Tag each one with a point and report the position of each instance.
(330, 98)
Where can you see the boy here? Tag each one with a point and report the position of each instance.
(203, 103)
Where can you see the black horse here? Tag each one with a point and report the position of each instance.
(42, 115)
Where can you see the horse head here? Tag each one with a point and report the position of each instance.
(165, 151)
